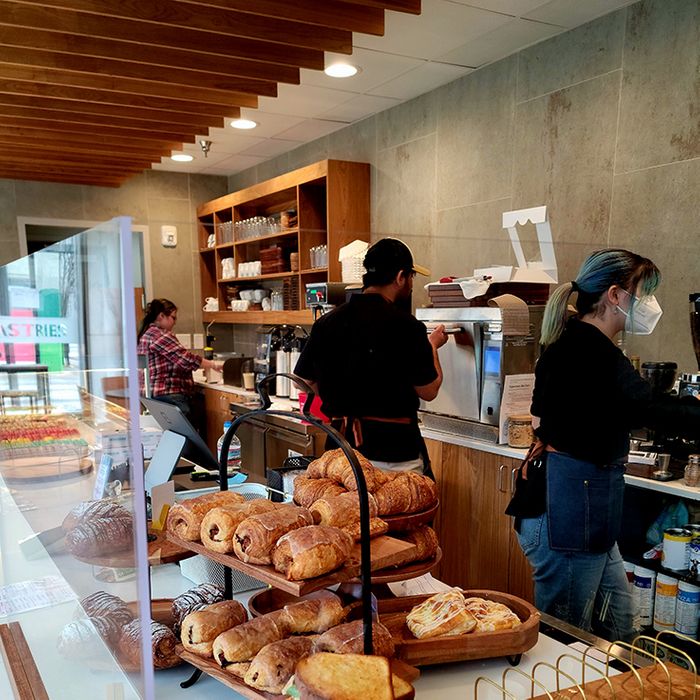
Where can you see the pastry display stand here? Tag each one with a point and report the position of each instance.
(365, 563)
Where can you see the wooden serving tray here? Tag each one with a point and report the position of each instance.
(211, 668)
(385, 552)
(407, 521)
(463, 647)
(392, 574)
(626, 685)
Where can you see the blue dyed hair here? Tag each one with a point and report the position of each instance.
(600, 271)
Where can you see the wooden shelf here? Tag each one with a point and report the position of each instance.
(279, 234)
(313, 270)
(273, 276)
(219, 246)
(304, 317)
(206, 250)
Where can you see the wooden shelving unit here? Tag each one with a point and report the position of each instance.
(332, 200)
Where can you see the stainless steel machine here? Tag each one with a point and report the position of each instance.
(475, 361)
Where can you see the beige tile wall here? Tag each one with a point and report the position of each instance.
(600, 124)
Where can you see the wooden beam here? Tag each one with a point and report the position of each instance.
(124, 86)
(126, 69)
(21, 88)
(411, 6)
(90, 116)
(68, 178)
(125, 25)
(233, 23)
(16, 153)
(84, 152)
(43, 162)
(79, 139)
(49, 125)
(146, 54)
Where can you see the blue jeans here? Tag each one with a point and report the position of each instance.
(586, 589)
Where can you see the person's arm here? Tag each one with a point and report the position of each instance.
(171, 350)
(437, 339)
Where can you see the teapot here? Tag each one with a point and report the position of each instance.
(211, 304)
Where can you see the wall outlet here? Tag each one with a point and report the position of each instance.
(168, 236)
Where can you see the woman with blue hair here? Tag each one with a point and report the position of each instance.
(587, 398)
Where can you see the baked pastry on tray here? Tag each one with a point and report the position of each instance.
(185, 518)
(307, 491)
(201, 627)
(314, 615)
(195, 599)
(490, 615)
(163, 643)
(220, 523)
(311, 551)
(274, 664)
(348, 638)
(441, 615)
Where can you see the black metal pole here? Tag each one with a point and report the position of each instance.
(365, 552)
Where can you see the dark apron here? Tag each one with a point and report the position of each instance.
(584, 504)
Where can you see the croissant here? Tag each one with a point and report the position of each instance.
(256, 536)
(348, 638)
(202, 627)
(426, 542)
(377, 527)
(423, 491)
(311, 551)
(342, 510)
(307, 490)
(334, 465)
(105, 606)
(407, 492)
(318, 469)
(242, 643)
(163, 643)
(220, 523)
(185, 518)
(274, 664)
(195, 599)
(314, 615)
(93, 509)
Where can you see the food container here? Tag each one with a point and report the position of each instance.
(520, 431)
(691, 474)
(676, 552)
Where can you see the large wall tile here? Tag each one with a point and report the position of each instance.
(655, 213)
(102, 203)
(241, 180)
(273, 168)
(407, 121)
(583, 53)
(475, 136)
(564, 147)
(470, 237)
(661, 91)
(308, 153)
(204, 188)
(49, 199)
(357, 142)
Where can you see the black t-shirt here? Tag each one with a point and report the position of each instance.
(589, 396)
(366, 357)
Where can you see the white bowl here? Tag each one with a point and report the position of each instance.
(246, 294)
(259, 295)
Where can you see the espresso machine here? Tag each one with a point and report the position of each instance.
(276, 351)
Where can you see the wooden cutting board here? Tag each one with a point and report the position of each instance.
(386, 551)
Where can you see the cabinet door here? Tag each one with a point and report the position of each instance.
(252, 437)
(279, 443)
(218, 411)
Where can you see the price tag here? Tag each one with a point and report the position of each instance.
(103, 471)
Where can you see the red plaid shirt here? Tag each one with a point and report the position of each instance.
(170, 365)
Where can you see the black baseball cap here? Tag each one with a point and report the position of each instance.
(392, 255)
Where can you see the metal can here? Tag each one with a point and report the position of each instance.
(643, 597)
(694, 530)
(687, 608)
(665, 602)
(676, 552)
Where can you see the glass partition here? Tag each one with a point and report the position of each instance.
(74, 576)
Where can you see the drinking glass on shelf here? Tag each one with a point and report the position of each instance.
(313, 255)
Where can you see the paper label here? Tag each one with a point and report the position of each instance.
(30, 595)
(103, 471)
(517, 398)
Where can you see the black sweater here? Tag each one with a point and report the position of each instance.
(589, 396)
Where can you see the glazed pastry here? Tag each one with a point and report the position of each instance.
(100, 536)
(335, 466)
(163, 643)
(185, 518)
(308, 491)
(80, 639)
(220, 523)
(348, 639)
(257, 535)
(93, 509)
(426, 542)
(442, 615)
(490, 615)
(202, 627)
(377, 527)
(311, 551)
(314, 615)
(195, 599)
(242, 643)
(106, 607)
(274, 664)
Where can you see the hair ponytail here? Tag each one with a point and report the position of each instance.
(153, 310)
(554, 318)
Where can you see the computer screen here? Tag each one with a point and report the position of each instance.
(170, 417)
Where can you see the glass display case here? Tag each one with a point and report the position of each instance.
(74, 583)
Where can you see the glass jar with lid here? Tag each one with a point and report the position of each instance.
(691, 475)
(520, 431)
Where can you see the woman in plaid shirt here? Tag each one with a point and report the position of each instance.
(170, 365)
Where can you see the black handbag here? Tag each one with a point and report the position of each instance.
(530, 497)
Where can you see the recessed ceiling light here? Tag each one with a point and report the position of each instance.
(243, 124)
(182, 158)
(341, 70)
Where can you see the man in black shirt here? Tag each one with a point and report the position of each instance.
(371, 361)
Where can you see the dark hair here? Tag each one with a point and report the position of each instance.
(600, 271)
(384, 260)
(153, 310)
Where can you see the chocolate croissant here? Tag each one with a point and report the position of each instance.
(163, 643)
(100, 536)
(202, 627)
(311, 551)
(185, 518)
(274, 664)
(257, 535)
(240, 644)
(220, 523)
(80, 639)
(195, 599)
(314, 615)
(103, 606)
(348, 638)
(308, 491)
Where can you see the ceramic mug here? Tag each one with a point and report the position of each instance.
(211, 304)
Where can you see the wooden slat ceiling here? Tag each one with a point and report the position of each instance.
(95, 91)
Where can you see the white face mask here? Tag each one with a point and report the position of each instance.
(643, 315)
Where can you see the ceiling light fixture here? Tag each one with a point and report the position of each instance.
(205, 145)
(243, 124)
(182, 157)
(341, 70)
